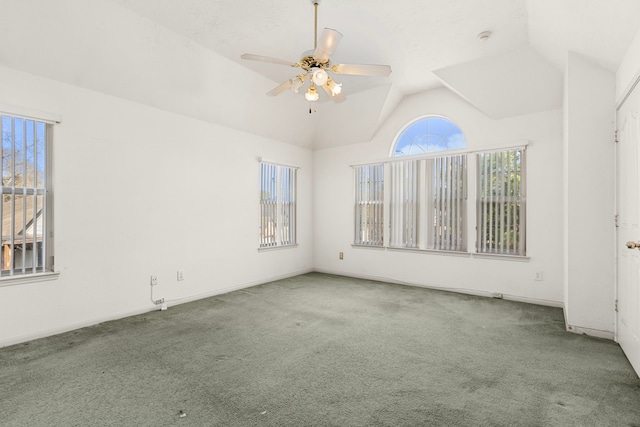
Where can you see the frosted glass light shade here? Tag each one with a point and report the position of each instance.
(334, 87)
(320, 77)
(312, 94)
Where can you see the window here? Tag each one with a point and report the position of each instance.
(277, 205)
(369, 209)
(427, 194)
(501, 202)
(26, 197)
(428, 135)
(428, 203)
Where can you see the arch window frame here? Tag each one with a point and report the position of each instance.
(393, 152)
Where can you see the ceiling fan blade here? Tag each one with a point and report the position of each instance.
(362, 69)
(281, 88)
(327, 44)
(278, 61)
(335, 98)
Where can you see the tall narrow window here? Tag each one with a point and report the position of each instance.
(277, 205)
(369, 183)
(501, 202)
(25, 208)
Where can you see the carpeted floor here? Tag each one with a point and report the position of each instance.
(320, 350)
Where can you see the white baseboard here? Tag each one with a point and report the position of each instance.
(476, 292)
(245, 285)
(5, 342)
(591, 332)
(173, 302)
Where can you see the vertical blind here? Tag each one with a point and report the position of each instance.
(448, 200)
(24, 209)
(501, 202)
(428, 202)
(277, 205)
(405, 203)
(288, 205)
(268, 205)
(369, 208)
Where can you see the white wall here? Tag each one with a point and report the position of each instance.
(629, 69)
(589, 187)
(333, 200)
(140, 191)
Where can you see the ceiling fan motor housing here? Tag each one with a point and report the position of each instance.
(309, 62)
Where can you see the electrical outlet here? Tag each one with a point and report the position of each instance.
(159, 301)
(341, 255)
(180, 275)
(538, 276)
(154, 280)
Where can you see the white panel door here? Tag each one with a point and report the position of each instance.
(628, 231)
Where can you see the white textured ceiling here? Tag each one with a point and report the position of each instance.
(516, 82)
(413, 36)
(428, 43)
(184, 55)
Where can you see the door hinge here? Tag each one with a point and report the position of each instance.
(615, 306)
(615, 137)
(615, 219)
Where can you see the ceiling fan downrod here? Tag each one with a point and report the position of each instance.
(315, 22)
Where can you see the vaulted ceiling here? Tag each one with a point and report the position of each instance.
(184, 56)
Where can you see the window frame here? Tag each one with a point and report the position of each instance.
(47, 271)
(468, 208)
(518, 197)
(369, 201)
(415, 121)
(284, 187)
(428, 203)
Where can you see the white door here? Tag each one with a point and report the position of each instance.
(628, 238)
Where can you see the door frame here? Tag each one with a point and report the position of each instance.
(619, 104)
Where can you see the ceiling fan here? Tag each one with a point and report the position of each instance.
(316, 66)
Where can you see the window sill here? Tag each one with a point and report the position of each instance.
(517, 258)
(430, 251)
(505, 257)
(354, 245)
(28, 278)
(275, 248)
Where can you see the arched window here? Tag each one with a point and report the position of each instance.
(428, 135)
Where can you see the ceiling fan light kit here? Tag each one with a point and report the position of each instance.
(316, 65)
